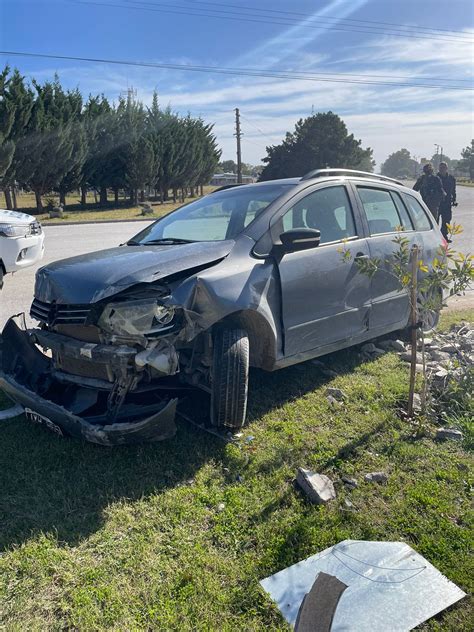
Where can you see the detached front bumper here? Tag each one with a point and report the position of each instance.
(26, 376)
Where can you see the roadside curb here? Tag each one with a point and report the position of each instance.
(99, 221)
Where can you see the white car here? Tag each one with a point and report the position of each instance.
(21, 242)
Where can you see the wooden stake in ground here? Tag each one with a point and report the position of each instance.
(413, 324)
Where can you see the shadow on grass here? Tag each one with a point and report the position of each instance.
(63, 486)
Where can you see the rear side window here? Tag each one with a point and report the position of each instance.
(404, 216)
(417, 212)
(380, 209)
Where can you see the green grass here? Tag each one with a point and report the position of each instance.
(74, 213)
(131, 538)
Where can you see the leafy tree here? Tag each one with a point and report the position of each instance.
(228, 166)
(400, 164)
(318, 141)
(45, 150)
(467, 161)
(18, 99)
(437, 158)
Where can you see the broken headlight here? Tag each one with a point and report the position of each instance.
(136, 317)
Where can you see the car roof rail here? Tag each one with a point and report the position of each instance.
(321, 173)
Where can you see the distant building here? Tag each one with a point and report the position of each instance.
(221, 179)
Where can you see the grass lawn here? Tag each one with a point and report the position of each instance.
(134, 538)
(26, 202)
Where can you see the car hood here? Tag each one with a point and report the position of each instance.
(92, 277)
(13, 217)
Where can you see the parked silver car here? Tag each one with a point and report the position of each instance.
(247, 276)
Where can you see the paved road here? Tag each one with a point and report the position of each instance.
(61, 242)
(67, 241)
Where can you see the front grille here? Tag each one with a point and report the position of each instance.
(83, 368)
(35, 228)
(58, 314)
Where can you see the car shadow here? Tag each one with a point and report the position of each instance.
(63, 486)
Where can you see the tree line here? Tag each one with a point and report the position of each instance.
(52, 140)
(401, 164)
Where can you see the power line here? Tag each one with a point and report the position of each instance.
(186, 11)
(326, 17)
(234, 71)
(296, 21)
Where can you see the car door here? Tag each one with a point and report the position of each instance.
(385, 216)
(324, 298)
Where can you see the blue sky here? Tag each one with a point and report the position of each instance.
(384, 117)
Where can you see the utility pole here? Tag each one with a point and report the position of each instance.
(437, 154)
(238, 135)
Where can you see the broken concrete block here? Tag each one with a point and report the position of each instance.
(406, 357)
(348, 481)
(337, 393)
(333, 401)
(368, 348)
(449, 433)
(220, 507)
(317, 487)
(376, 477)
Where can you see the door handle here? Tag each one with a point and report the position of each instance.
(361, 255)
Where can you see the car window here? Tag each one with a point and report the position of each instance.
(417, 212)
(327, 210)
(403, 213)
(215, 217)
(381, 212)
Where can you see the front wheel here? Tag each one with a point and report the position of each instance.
(229, 377)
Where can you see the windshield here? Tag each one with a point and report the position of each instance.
(215, 217)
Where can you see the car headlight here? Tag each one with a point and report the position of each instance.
(12, 230)
(136, 317)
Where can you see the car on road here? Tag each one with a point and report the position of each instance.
(247, 276)
(21, 242)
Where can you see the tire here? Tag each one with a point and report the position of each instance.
(428, 317)
(229, 377)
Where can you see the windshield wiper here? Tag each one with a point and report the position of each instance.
(164, 241)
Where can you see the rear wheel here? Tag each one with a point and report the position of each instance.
(429, 307)
(229, 377)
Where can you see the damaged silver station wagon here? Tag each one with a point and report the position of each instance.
(247, 276)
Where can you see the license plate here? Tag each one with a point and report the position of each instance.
(43, 421)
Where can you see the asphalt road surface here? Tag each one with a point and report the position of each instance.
(67, 241)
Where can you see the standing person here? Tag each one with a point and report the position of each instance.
(445, 208)
(431, 189)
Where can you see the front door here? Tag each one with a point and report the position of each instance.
(324, 298)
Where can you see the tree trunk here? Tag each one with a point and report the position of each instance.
(39, 202)
(202, 190)
(15, 205)
(103, 196)
(133, 197)
(142, 195)
(83, 197)
(62, 198)
(8, 198)
(175, 194)
(116, 195)
(95, 196)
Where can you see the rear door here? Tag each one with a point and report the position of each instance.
(324, 299)
(385, 216)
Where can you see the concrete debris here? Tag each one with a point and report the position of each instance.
(348, 503)
(349, 482)
(333, 401)
(376, 477)
(406, 357)
(368, 348)
(337, 393)
(449, 433)
(220, 507)
(449, 348)
(416, 402)
(318, 487)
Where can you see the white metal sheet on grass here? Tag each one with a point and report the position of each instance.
(391, 588)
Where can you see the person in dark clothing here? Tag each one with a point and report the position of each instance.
(431, 189)
(446, 207)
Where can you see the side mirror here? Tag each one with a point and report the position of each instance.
(299, 239)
